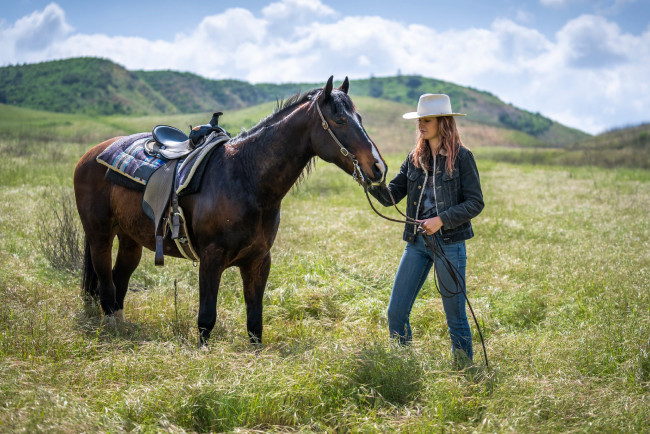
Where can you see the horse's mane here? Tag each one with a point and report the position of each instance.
(281, 107)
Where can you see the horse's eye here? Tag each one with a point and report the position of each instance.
(341, 121)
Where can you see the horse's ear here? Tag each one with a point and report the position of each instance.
(345, 87)
(327, 90)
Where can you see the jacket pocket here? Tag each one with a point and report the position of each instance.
(451, 185)
(447, 177)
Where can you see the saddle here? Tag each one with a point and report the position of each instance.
(170, 143)
(160, 198)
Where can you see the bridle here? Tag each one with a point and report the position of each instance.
(432, 243)
(357, 174)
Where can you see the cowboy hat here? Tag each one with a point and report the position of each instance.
(431, 105)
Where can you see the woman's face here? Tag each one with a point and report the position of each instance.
(428, 128)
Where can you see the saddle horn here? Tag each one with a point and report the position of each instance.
(200, 132)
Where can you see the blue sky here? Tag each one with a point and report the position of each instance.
(584, 63)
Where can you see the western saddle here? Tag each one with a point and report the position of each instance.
(170, 143)
(160, 198)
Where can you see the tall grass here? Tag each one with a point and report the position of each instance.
(558, 276)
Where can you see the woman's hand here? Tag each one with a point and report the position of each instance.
(432, 225)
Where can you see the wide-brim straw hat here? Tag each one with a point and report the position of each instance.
(432, 105)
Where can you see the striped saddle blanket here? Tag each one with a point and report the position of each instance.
(130, 165)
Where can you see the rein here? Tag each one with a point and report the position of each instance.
(434, 243)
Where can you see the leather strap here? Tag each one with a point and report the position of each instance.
(155, 201)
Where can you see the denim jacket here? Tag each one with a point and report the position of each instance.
(458, 195)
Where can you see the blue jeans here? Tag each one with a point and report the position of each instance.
(412, 272)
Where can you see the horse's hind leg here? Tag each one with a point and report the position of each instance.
(210, 271)
(100, 252)
(254, 276)
(128, 258)
(99, 235)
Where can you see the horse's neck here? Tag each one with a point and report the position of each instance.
(276, 155)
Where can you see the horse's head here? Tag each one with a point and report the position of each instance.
(339, 136)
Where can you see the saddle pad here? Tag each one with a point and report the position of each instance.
(127, 157)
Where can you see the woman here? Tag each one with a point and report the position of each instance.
(441, 183)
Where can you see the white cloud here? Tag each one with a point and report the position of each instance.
(592, 42)
(285, 16)
(519, 43)
(289, 10)
(36, 31)
(231, 28)
(132, 52)
(33, 33)
(591, 75)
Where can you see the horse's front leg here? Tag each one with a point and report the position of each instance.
(210, 271)
(254, 275)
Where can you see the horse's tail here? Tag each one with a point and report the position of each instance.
(89, 279)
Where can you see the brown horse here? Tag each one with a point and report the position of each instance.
(234, 217)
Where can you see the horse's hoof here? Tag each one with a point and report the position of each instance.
(119, 316)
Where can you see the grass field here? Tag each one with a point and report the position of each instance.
(558, 275)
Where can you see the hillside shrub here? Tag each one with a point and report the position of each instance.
(533, 124)
(414, 82)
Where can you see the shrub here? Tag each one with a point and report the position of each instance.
(59, 234)
(533, 124)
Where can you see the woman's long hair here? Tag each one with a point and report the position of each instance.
(450, 140)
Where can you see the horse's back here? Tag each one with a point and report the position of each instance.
(87, 168)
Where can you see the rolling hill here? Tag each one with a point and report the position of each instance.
(94, 86)
(80, 85)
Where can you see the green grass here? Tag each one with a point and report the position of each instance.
(578, 155)
(557, 274)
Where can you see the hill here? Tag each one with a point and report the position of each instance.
(633, 137)
(190, 93)
(81, 85)
(100, 87)
(620, 147)
(623, 147)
